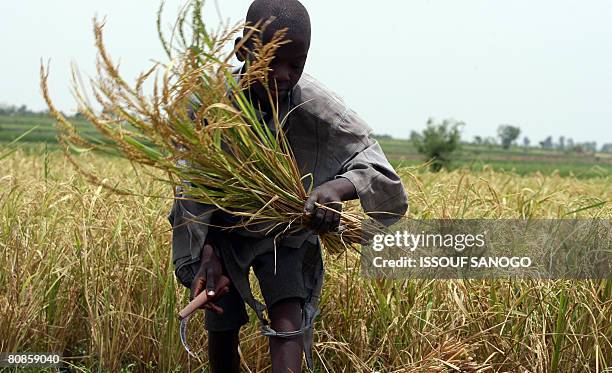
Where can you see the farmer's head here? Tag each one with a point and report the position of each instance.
(289, 60)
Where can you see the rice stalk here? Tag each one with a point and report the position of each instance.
(200, 128)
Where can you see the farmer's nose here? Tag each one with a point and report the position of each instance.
(281, 75)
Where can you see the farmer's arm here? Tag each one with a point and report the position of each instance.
(365, 167)
(190, 222)
(190, 219)
(379, 188)
(191, 240)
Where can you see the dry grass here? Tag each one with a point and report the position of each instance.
(88, 274)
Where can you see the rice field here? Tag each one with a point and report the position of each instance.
(399, 151)
(87, 274)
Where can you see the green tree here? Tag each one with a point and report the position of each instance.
(438, 142)
(508, 134)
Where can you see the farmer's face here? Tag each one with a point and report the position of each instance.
(286, 69)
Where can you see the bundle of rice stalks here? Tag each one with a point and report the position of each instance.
(200, 128)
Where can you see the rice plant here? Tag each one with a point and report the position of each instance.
(200, 128)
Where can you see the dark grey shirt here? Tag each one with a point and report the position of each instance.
(329, 140)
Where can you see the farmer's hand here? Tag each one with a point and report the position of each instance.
(330, 194)
(210, 279)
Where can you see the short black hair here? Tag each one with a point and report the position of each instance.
(289, 14)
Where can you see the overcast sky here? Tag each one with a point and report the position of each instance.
(543, 65)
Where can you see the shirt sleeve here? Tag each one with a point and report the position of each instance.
(190, 224)
(379, 188)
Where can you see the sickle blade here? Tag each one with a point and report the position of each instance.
(183, 334)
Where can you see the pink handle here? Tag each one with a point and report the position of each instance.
(196, 303)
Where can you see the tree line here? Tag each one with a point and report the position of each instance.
(19, 110)
(23, 110)
(439, 142)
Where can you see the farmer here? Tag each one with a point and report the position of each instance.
(330, 142)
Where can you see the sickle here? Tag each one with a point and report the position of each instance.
(183, 334)
(184, 315)
(186, 312)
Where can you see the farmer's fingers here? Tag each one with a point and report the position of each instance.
(331, 219)
(196, 287)
(211, 275)
(213, 307)
(216, 309)
(315, 219)
(335, 205)
(330, 222)
(310, 204)
(206, 306)
(335, 222)
(210, 304)
(212, 300)
(221, 292)
(207, 252)
(220, 289)
(223, 281)
(319, 219)
(327, 222)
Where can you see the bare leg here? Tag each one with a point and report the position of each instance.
(286, 316)
(223, 351)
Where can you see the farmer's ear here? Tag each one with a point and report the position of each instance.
(239, 51)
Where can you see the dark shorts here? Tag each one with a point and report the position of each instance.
(293, 277)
